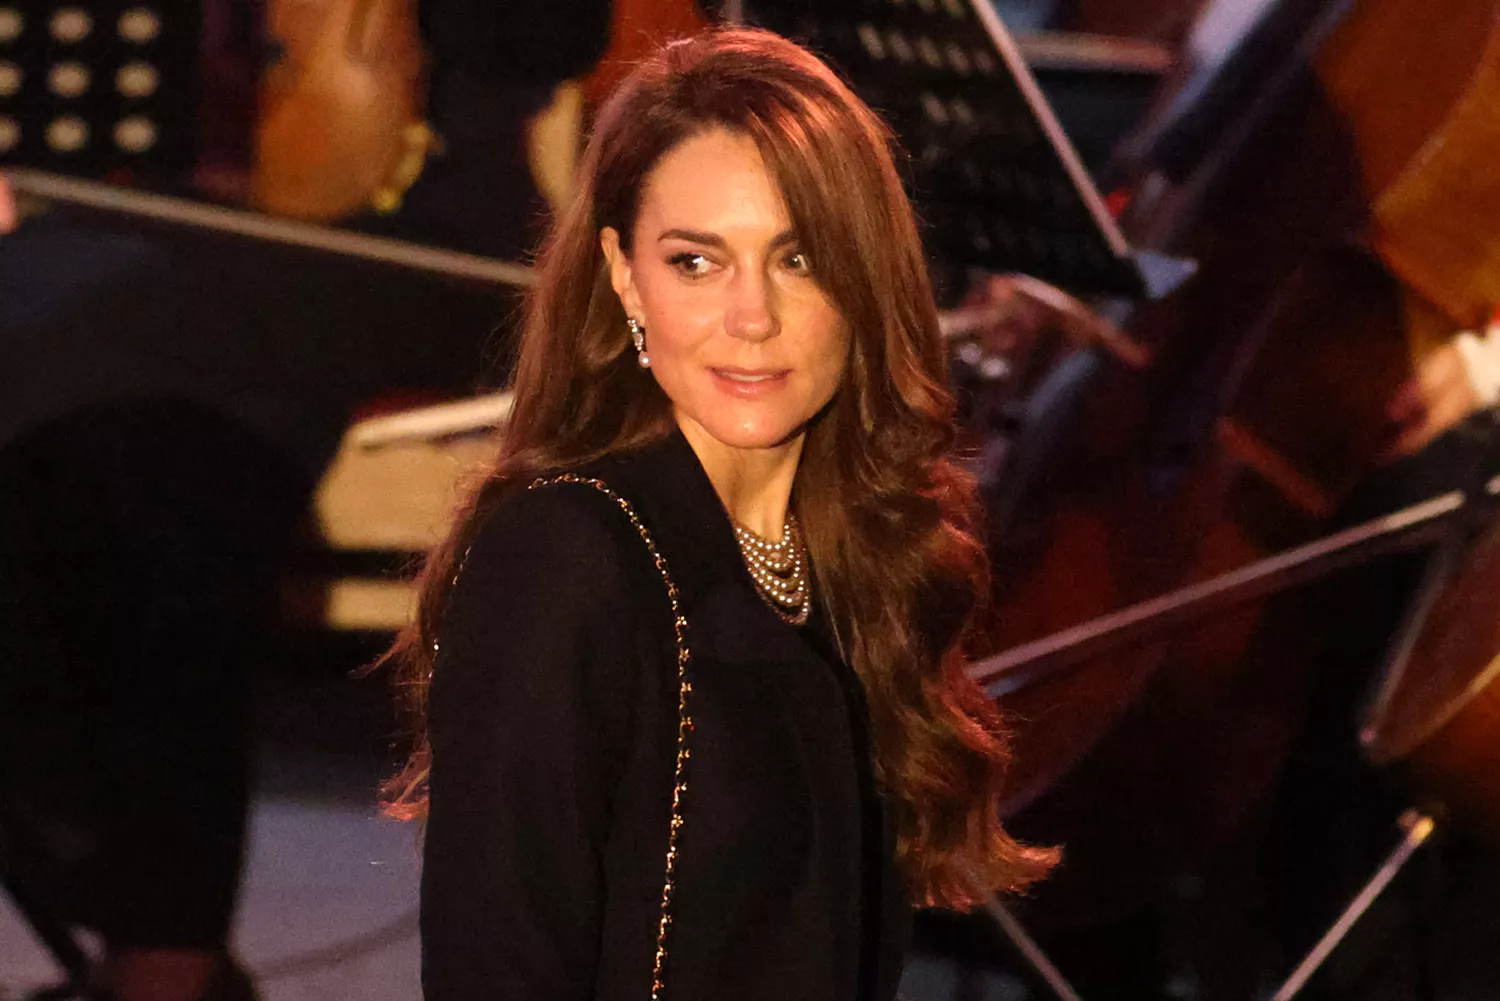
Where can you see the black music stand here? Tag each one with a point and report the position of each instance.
(99, 87)
(996, 181)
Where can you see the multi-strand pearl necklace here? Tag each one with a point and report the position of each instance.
(779, 570)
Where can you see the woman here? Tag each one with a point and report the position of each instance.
(732, 356)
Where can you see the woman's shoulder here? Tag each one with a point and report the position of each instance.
(598, 525)
(560, 520)
(545, 606)
(564, 536)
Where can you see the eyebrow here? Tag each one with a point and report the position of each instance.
(715, 240)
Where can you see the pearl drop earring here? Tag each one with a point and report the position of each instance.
(638, 334)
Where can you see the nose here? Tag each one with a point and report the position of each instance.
(751, 312)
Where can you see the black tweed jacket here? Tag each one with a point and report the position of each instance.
(554, 734)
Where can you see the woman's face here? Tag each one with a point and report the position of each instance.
(741, 336)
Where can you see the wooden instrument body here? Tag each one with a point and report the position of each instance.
(1440, 721)
(1387, 243)
(337, 106)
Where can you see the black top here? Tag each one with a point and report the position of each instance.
(553, 723)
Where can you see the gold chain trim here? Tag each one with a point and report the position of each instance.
(684, 720)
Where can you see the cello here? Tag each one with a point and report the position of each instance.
(1342, 223)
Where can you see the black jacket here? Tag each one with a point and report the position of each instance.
(553, 723)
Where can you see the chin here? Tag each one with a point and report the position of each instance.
(748, 439)
(752, 435)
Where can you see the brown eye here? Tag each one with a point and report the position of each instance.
(691, 264)
(798, 262)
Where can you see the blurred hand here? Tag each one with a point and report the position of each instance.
(1012, 312)
(9, 216)
(1009, 321)
(1438, 397)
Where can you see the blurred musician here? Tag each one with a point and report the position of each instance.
(1455, 381)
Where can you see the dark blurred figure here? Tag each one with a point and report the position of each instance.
(140, 534)
(139, 543)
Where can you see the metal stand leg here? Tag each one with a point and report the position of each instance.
(53, 934)
(1419, 828)
(1030, 951)
(51, 931)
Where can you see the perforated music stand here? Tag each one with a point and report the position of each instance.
(994, 178)
(98, 87)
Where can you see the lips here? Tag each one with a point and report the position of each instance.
(747, 382)
(747, 375)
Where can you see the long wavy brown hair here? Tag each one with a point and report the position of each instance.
(889, 519)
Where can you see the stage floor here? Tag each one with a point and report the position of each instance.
(329, 904)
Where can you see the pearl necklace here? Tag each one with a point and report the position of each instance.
(779, 570)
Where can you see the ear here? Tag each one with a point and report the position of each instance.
(621, 275)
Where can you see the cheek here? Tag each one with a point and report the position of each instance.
(674, 314)
(678, 337)
(828, 354)
(832, 367)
